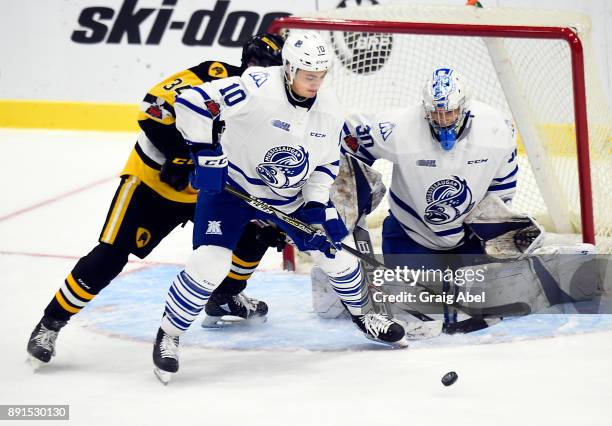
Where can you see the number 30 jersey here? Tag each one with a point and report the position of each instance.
(433, 190)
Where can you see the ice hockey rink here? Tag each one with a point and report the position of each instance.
(294, 370)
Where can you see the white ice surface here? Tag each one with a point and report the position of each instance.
(107, 379)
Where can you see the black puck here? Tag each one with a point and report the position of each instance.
(449, 378)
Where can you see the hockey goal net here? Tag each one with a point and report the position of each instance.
(535, 66)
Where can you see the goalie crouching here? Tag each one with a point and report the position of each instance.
(454, 174)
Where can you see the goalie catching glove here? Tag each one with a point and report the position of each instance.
(210, 172)
(315, 213)
(505, 234)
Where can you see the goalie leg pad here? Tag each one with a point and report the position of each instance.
(357, 190)
(537, 282)
(325, 300)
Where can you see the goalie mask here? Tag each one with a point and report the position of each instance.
(445, 104)
(305, 51)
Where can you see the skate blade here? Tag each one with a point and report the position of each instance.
(417, 330)
(402, 343)
(163, 376)
(230, 321)
(35, 363)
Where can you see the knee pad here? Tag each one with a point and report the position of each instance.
(209, 263)
(342, 264)
(100, 266)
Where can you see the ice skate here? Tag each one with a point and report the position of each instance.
(41, 346)
(224, 309)
(165, 356)
(380, 328)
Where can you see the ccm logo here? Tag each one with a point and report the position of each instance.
(317, 135)
(178, 160)
(213, 162)
(482, 160)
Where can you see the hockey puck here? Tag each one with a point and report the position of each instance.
(449, 378)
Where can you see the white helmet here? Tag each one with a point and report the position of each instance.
(446, 106)
(305, 51)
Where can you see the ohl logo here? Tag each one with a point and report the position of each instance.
(284, 167)
(447, 200)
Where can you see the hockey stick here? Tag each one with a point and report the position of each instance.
(309, 230)
(296, 223)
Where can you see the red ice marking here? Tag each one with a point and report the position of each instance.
(57, 198)
(65, 256)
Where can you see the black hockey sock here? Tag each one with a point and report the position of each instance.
(246, 257)
(91, 274)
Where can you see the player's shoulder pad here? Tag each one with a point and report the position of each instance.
(378, 125)
(214, 70)
(256, 78)
(494, 123)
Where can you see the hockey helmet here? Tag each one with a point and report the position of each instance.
(263, 50)
(305, 51)
(446, 106)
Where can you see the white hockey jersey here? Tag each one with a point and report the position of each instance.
(283, 154)
(432, 190)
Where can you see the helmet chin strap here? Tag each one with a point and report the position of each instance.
(291, 93)
(295, 97)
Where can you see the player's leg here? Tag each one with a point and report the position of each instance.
(129, 228)
(229, 298)
(347, 279)
(218, 223)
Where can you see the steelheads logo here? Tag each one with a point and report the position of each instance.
(284, 167)
(447, 199)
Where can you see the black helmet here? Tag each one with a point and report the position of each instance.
(262, 50)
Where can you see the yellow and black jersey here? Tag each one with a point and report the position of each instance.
(159, 138)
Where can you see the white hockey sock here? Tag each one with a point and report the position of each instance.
(184, 302)
(351, 289)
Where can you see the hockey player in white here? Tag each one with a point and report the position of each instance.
(454, 173)
(447, 155)
(281, 144)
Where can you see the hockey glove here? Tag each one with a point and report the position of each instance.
(210, 170)
(315, 213)
(271, 236)
(175, 172)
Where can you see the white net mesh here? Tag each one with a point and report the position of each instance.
(375, 72)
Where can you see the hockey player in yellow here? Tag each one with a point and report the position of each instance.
(154, 197)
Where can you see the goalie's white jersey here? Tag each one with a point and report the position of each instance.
(433, 190)
(280, 153)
